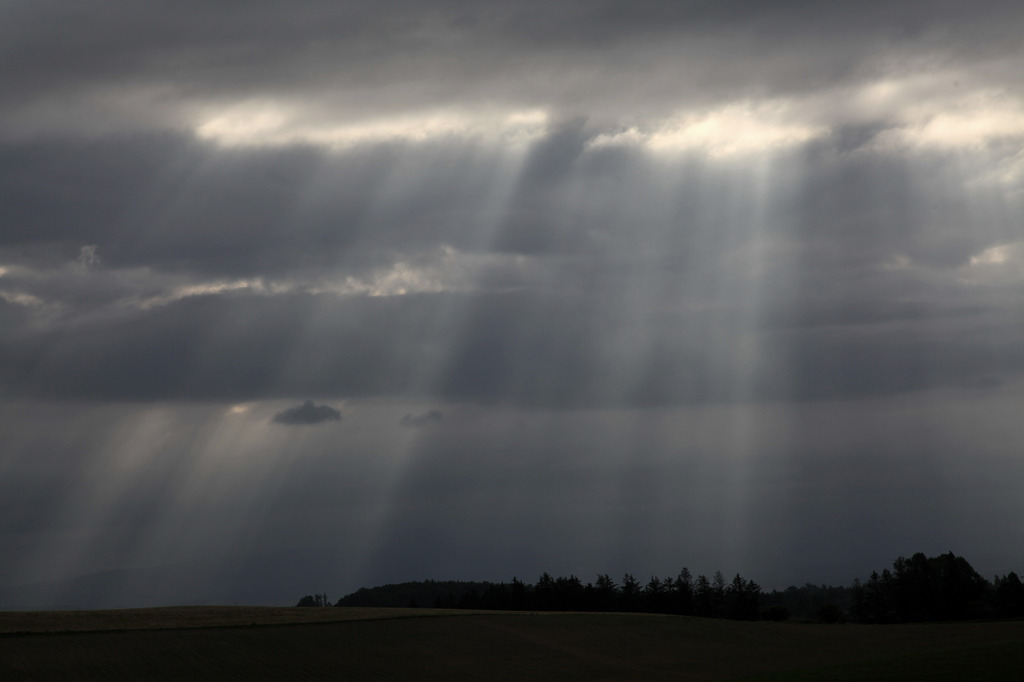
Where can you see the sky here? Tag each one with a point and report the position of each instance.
(309, 296)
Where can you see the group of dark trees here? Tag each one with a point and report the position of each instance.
(680, 595)
(823, 603)
(945, 587)
(918, 589)
(421, 593)
(941, 588)
(314, 600)
(683, 595)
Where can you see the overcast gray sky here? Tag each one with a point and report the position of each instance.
(480, 289)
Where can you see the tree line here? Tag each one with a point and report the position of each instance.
(314, 600)
(920, 588)
(939, 588)
(916, 589)
(713, 597)
(682, 595)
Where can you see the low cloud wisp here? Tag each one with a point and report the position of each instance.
(307, 414)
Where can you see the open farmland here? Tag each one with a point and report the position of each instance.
(246, 643)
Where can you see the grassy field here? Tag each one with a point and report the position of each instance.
(250, 643)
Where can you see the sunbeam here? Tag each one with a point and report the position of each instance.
(311, 297)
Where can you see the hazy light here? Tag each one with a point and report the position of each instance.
(400, 279)
(203, 289)
(445, 269)
(87, 256)
(997, 264)
(20, 298)
(970, 128)
(272, 124)
(17, 296)
(922, 110)
(896, 263)
(992, 256)
(735, 129)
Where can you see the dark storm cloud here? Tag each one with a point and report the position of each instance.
(112, 67)
(169, 203)
(415, 421)
(855, 210)
(829, 476)
(175, 205)
(627, 296)
(832, 490)
(222, 348)
(529, 349)
(307, 414)
(735, 285)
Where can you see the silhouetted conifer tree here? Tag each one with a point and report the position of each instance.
(1009, 595)
(654, 596)
(682, 593)
(718, 595)
(630, 593)
(518, 596)
(605, 593)
(497, 597)
(743, 599)
(544, 593)
(703, 599)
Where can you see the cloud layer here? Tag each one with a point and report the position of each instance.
(307, 414)
(552, 222)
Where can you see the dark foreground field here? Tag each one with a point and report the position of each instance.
(240, 643)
